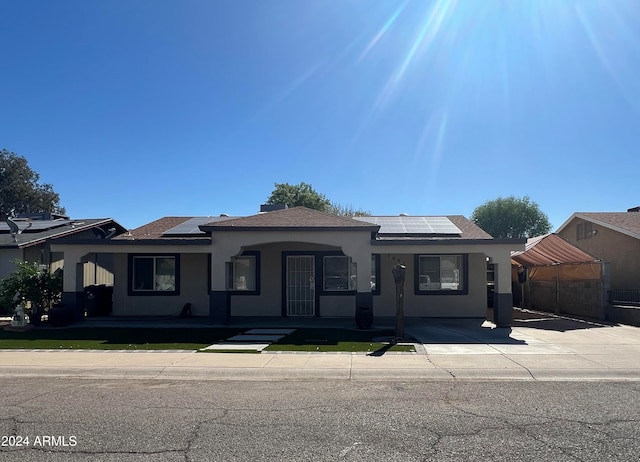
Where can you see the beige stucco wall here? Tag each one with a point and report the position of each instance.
(472, 305)
(194, 259)
(193, 289)
(620, 250)
(356, 244)
(269, 302)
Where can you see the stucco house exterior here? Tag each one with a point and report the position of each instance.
(613, 237)
(36, 233)
(299, 262)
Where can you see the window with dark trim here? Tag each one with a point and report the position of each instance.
(441, 274)
(244, 273)
(339, 274)
(375, 274)
(584, 230)
(154, 274)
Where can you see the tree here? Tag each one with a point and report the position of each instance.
(347, 210)
(303, 195)
(20, 190)
(511, 217)
(299, 195)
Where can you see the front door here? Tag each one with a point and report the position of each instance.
(301, 283)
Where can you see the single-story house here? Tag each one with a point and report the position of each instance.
(613, 237)
(293, 262)
(28, 237)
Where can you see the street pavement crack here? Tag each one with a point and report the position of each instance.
(522, 366)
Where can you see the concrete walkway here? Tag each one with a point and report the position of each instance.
(537, 347)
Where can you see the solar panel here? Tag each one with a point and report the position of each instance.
(191, 226)
(413, 225)
(36, 225)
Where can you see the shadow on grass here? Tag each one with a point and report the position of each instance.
(381, 351)
(108, 338)
(335, 340)
(308, 336)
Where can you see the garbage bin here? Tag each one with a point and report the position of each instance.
(105, 300)
(364, 317)
(98, 300)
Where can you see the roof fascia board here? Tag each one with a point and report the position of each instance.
(288, 228)
(133, 242)
(600, 223)
(148, 247)
(517, 242)
(67, 232)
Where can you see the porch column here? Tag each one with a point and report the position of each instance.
(219, 301)
(502, 297)
(73, 283)
(364, 297)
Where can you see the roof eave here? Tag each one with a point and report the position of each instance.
(131, 242)
(599, 223)
(368, 229)
(461, 241)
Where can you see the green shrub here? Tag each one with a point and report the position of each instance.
(29, 283)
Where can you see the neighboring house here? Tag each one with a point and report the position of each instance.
(301, 262)
(613, 237)
(35, 234)
(553, 275)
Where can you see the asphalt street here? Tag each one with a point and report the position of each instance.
(166, 420)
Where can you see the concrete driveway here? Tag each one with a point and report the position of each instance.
(539, 345)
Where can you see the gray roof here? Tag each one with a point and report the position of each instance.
(293, 219)
(38, 231)
(388, 230)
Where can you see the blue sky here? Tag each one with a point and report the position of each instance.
(140, 109)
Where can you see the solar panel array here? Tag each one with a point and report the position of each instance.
(413, 225)
(36, 225)
(401, 225)
(191, 226)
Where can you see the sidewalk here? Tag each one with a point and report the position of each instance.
(537, 347)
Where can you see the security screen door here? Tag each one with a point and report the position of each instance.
(301, 284)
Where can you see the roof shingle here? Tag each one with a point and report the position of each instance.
(628, 221)
(299, 218)
(152, 230)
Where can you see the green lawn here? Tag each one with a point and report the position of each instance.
(120, 338)
(116, 338)
(345, 340)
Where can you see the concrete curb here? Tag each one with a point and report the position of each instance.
(317, 374)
